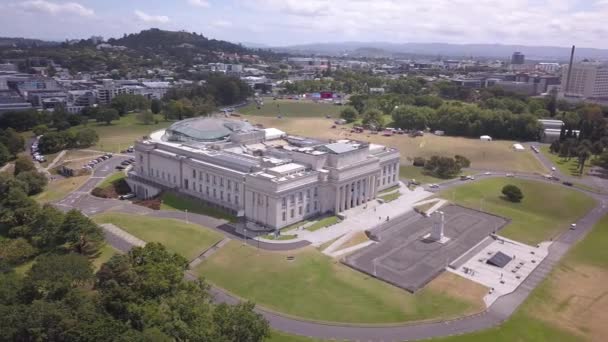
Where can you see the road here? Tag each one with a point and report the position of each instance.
(493, 316)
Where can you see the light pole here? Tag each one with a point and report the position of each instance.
(374, 266)
(245, 235)
(186, 210)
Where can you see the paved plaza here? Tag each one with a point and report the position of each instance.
(404, 258)
(502, 280)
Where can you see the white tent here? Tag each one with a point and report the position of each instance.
(518, 147)
(273, 133)
(485, 138)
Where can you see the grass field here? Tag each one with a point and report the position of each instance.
(186, 239)
(58, 189)
(322, 223)
(493, 155)
(545, 211)
(292, 109)
(414, 172)
(316, 287)
(111, 179)
(122, 133)
(390, 197)
(105, 254)
(567, 167)
(175, 202)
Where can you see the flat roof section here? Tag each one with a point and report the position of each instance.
(403, 257)
(499, 259)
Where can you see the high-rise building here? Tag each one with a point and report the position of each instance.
(517, 58)
(587, 79)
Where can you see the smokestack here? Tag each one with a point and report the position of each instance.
(569, 71)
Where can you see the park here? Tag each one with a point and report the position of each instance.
(305, 283)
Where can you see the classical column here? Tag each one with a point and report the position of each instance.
(348, 195)
(359, 188)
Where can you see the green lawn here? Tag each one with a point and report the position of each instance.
(545, 211)
(123, 133)
(592, 250)
(186, 239)
(111, 179)
(292, 108)
(314, 286)
(567, 167)
(105, 254)
(322, 223)
(281, 237)
(390, 197)
(58, 189)
(414, 172)
(171, 201)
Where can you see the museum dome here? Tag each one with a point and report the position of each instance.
(205, 129)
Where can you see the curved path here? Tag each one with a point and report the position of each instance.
(497, 313)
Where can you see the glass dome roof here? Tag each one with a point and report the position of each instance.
(205, 129)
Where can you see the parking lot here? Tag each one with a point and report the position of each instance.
(405, 259)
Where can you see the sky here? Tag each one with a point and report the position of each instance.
(291, 22)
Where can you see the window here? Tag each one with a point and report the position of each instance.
(141, 158)
(229, 198)
(292, 199)
(307, 208)
(229, 184)
(194, 186)
(194, 173)
(315, 206)
(308, 194)
(214, 193)
(200, 176)
(292, 213)
(221, 182)
(284, 216)
(394, 178)
(214, 182)
(200, 187)
(221, 195)
(207, 190)
(236, 199)
(260, 199)
(163, 175)
(284, 204)
(300, 197)
(186, 184)
(207, 177)
(175, 179)
(299, 210)
(315, 192)
(236, 186)
(156, 173)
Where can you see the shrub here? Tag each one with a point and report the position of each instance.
(419, 161)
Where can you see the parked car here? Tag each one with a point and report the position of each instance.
(510, 175)
(125, 163)
(120, 167)
(127, 196)
(433, 186)
(573, 226)
(567, 183)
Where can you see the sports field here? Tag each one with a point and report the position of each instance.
(486, 155)
(180, 237)
(291, 109)
(316, 287)
(545, 211)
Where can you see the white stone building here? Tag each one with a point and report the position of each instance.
(273, 180)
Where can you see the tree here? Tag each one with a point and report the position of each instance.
(82, 235)
(349, 114)
(12, 140)
(5, 155)
(146, 117)
(40, 129)
(583, 154)
(373, 118)
(23, 164)
(86, 137)
(35, 180)
(240, 322)
(156, 106)
(16, 251)
(107, 115)
(412, 117)
(442, 167)
(512, 193)
(125, 103)
(461, 161)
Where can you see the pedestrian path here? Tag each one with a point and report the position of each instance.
(115, 230)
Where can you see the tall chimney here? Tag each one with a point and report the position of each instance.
(569, 71)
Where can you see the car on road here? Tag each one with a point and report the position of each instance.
(434, 186)
(487, 173)
(567, 183)
(465, 178)
(553, 168)
(120, 167)
(573, 226)
(127, 196)
(510, 175)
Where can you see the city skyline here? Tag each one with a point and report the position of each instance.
(288, 22)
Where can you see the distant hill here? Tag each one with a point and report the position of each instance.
(160, 39)
(446, 50)
(25, 42)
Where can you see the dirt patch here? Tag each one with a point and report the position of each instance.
(153, 203)
(576, 299)
(456, 286)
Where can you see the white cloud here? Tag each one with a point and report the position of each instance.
(199, 3)
(221, 23)
(49, 7)
(152, 19)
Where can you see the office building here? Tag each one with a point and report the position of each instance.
(517, 58)
(587, 80)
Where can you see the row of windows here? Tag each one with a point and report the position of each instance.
(300, 196)
(292, 211)
(215, 180)
(208, 192)
(161, 174)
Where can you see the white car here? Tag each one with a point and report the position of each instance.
(487, 173)
(127, 196)
(433, 186)
(552, 168)
(573, 226)
(510, 175)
